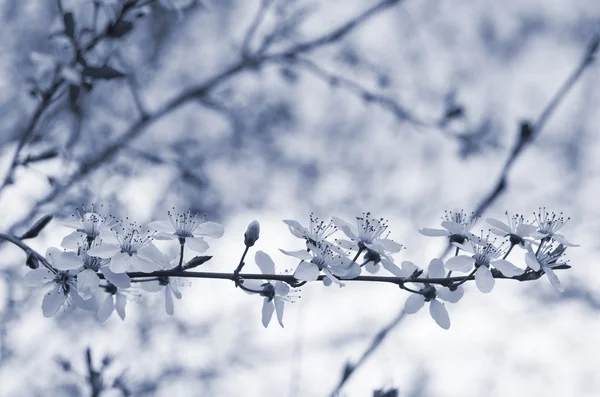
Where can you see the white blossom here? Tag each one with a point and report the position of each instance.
(114, 299)
(134, 250)
(457, 227)
(316, 232)
(188, 228)
(275, 293)
(515, 229)
(88, 224)
(327, 258)
(170, 285)
(546, 259)
(430, 293)
(484, 255)
(548, 224)
(368, 235)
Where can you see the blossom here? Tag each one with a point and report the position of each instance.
(457, 227)
(316, 232)
(327, 258)
(116, 299)
(515, 229)
(63, 279)
(188, 228)
(546, 259)
(548, 224)
(275, 294)
(484, 255)
(134, 250)
(367, 235)
(430, 293)
(88, 224)
(88, 280)
(169, 284)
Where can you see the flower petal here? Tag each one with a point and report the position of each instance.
(120, 280)
(196, 244)
(525, 230)
(120, 263)
(507, 268)
(553, 279)
(301, 254)
(120, 305)
(141, 264)
(433, 232)
(345, 227)
(169, 305)
(164, 236)
(444, 293)
(531, 261)
(162, 226)
(104, 251)
(106, 308)
(439, 313)
(346, 244)
(267, 312)
(331, 277)
(279, 309)
(460, 263)
(414, 303)
(62, 260)
(210, 229)
(152, 253)
(38, 277)
(307, 271)
(264, 262)
(87, 283)
(436, 269)
(409, 268)
(561, 239)
(500, 225)
(296, 228)
(53, 300)
(174, 289)
(281, 288)
(372, 267)
(453, 227)
(390, 245)
(73, 241)
(484, 279)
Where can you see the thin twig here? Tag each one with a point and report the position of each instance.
(258, 18)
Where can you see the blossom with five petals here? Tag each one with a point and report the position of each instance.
(188, 228)
(275, 293)
(548, 224)
(88, 224)
(457, 227)
(430, 293)
(316, 232)
(484, 254)
(546, 259)
(327, 258)
(515, 229)
(169, 284)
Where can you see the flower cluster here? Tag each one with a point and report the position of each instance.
(103, 257)
(93, 270)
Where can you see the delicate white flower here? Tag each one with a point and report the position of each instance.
(188, 228)
(548, 224)
(88, 224)
(169, 284)
(115, 299)
(457, 227)
(133, 251)
(485, 254)
(88, 280)
(63, 278)
(546, 260)
(275, 293)
(327, 258)
(316, 232)
(430, 293)
(515, 229)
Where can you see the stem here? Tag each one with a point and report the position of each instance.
(508, 252)
(180, 265)
(401, 285)
(240, 266)
(241, 285)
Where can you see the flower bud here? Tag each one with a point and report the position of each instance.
(252, 234)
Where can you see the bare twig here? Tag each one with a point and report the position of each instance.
(258, 18)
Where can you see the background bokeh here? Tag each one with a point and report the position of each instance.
(355, 125)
